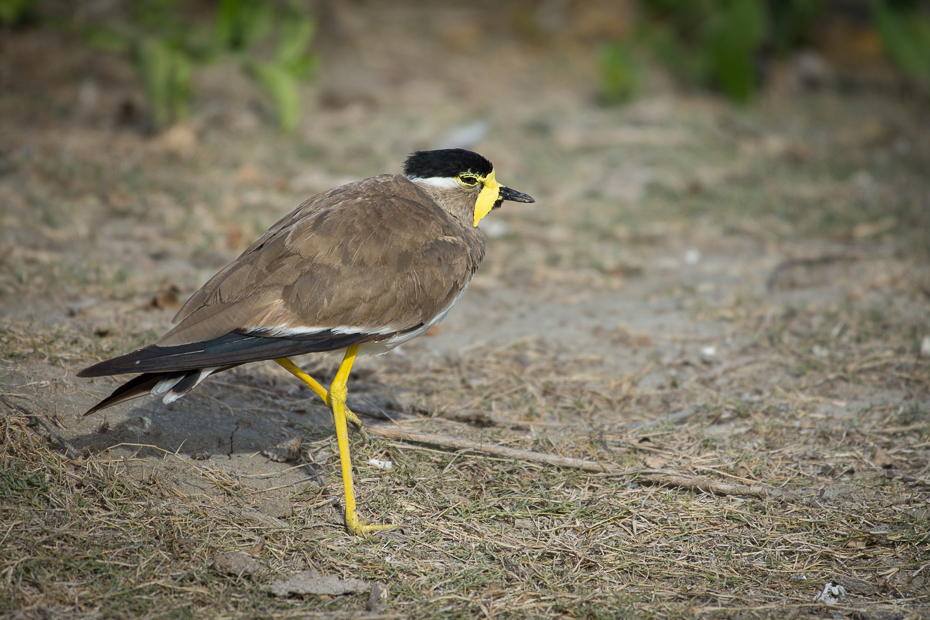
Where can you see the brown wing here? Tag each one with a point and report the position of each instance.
(375, 257)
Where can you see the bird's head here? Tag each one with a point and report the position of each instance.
(462, 173)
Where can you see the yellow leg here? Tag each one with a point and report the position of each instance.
(336, 399)
(320, 391)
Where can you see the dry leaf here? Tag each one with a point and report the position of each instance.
(167, 298)
(883, 459)
(654, 461)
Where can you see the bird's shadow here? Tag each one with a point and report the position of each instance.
(233, 413)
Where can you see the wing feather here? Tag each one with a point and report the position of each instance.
(369, 256)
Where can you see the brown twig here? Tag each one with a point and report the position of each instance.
(782, 268)
(654, 476)
(457, 443)
(709, 485)
(672, 417)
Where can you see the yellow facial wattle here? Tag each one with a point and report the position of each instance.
(488, 196)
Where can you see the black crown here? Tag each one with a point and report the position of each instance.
(446, 163)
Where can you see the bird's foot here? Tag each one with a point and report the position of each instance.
(357, 527)
(357, 424)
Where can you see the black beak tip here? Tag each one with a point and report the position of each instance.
(515, 196)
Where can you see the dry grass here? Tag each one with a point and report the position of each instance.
(844, 498)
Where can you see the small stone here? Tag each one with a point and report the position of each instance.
(524, 524)
(883, 459)
(315, 583)
(284, 452)
(377, 599)
(235, 563)
(382, 465)
(279, 509)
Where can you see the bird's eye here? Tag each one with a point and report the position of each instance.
(468, 180)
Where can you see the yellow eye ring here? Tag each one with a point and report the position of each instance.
(468, 180)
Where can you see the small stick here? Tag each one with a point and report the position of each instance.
(709, 485)
(672, 417)
(457, 443)
(70, 450)
(656, 476)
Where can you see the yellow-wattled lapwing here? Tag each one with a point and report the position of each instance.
(361, 268)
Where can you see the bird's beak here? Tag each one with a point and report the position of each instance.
(513, 195)
(493, 194)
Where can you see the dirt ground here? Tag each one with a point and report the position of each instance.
(761, 272)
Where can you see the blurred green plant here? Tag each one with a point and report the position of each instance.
(166, 49)
(166, 71)
(905, 36)
(621, 73)
(719, 42)
(13, 12)
(734, 36)
(722, 43)
(793, 24)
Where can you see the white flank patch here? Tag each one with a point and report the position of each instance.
(359, 330)
(283, 331)
(369, 348)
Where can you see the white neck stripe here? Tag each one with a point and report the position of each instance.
(440, 182)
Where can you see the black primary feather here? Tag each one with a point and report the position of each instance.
(146, 382)
(232, 348)
(134, 388)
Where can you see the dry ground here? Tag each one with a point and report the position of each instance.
(762, 270)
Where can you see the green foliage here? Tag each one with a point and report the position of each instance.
(166, 72)
(241, 24)
(166, 50)
(244, 24)
(296, 34)
(792, 23)
(711, 41)
(13, 12)
(718, 42)
(282, 86)
(621, 73)
(105, 39)
(281, 77)
(734, 36)
(905, 35)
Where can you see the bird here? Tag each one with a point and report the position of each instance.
(358, 269)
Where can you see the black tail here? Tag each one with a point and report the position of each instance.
(183, 382)
(230, 350)
(134, 388)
